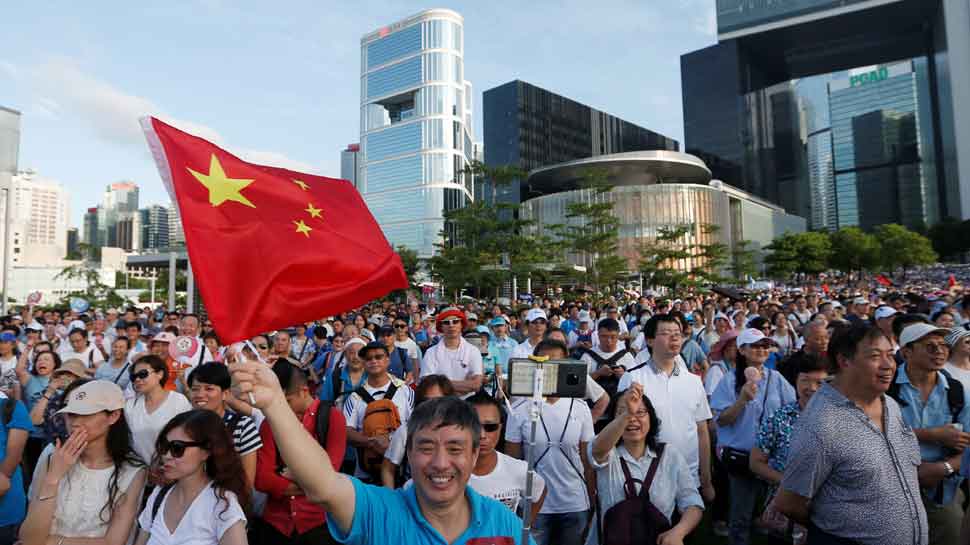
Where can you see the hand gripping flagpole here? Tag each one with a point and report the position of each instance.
(535, 413)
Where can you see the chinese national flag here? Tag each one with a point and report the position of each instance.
(881, 278)
(270, 247)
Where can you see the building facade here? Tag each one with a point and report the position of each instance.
(154, 227)
(416, 132)
(350, 163)
(529, 127)
(120, 202)
(808, 105)
(176, 236)
(73, 243)
(41, 210)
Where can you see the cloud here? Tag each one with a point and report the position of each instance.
(113, 114)
(10, 70)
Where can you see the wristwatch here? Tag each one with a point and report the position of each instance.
(948, 468)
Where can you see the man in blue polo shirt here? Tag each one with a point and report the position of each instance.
(440, 509)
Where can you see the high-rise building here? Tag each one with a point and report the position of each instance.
(9, 152)
(73, 242)
(89, 235)
(807, 104)
(41, 209)
(350, 163)
(176, 236)
(128, 231)
(154, 227)
(529, 127)
(119, 199)
(416, 132)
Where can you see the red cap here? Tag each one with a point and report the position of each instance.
(451, 312)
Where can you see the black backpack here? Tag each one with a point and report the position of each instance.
(612, 382)
(635, 520)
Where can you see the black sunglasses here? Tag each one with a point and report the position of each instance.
(177, 448)
(140, 375)
(491, 427)
(400, 326)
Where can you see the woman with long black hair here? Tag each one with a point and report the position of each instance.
(742, 401)
(203, 505)
(88, 486)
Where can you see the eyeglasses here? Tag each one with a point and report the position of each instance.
(934, 348)
(450, 322)
(539, 321)
(640, 413)
(262, 346)
(140, 375)
(491, 427)
(177, 448)
(400, 326)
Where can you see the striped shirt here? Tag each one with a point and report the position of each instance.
(245, 434)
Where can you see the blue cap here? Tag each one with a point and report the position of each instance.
(483, 329)
(7, 337)
(497, 321)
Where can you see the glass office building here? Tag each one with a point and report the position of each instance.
(809, 105)
(416, 133)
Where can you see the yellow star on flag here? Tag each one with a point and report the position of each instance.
(302, 185)
(314, 212)
(222, 188)
(302, 228)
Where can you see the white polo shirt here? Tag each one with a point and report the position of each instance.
(524, 350)
(459, 364)
(680, 402)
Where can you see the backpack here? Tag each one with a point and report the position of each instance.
(634, 520)
(381, 417)
(612, 382)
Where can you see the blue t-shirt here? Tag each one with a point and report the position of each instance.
(32, 391)
(13, 504)
(382, 515)
(770, 397)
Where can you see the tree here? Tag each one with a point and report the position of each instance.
(594, 233)
(903, 248)
(806, 253)
(96, 293)
(854, 250)
(743, 262)
(663, 259)
(950, 238)
(411, 264)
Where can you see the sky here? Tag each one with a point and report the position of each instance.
(279, 83)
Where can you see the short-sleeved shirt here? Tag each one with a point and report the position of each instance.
(506, 483)
(680, 402)
(460, 364)
(769, 398)
(861, 482)
(673, 484)
(13, 504)
(693, 354)
(204, 522)
(119, 375)
(774, 437)
(145, 427)
(382, 515)
(564, 424)
(934, 413)
(355, 407)
(502, 349)
(245, 433)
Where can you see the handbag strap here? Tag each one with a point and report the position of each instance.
(764, 401)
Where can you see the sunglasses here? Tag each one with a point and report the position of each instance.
(450, 322)
(491, 427)
(177, 448)
(262, 346)
(140, 375)
(400, 326)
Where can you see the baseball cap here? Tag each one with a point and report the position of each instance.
(721, 316)
(452, 312)
(373, 345)
(956, 335)
(535, 314)
(584, 317)
(164, 337)
(73, 366)
(7, 337)
(353, 341)
(94, 397)
(885, 311)
(484, 330)
(471, 316)
(497, 321)
(35, 326)
(76, 324)
(384, 331)
(915, 332)
(751, 336)
(860, 301)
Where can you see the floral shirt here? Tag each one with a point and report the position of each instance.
(775, 434)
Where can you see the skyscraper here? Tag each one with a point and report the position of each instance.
(89, 235)
(350, 163)
(72, 242)
(416, 133)
(154, 227)
(41, 209)
(529, 127)
(120, 200)
(176, 236)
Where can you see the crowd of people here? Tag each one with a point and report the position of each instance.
(801, 415)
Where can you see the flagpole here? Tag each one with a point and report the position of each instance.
(189, 287)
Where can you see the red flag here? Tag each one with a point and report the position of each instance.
(952, 281)
(270, 247)
(883, 280)
(825, 288)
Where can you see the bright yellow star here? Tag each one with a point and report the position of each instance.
(222, 188)
(301, 184)
(302, 228)
(314, 212)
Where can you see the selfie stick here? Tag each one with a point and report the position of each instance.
(535, 413)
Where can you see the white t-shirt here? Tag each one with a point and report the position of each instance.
(91, 356)
(146, 427)
(561, 466)
(355, 408)
(524, 350)
(506, 482)
(204, 522)
(626, 361)
(397, 445)
(574, 337)
(962, 375)
(412, 347)
(459, 364)
(680, 402)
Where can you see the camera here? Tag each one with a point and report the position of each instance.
(561, 378)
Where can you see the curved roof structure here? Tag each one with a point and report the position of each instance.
(631, 168)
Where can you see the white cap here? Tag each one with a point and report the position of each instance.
(585, 317)
(750, 336)
(721, 316)
(94, 397)
(471, 316)
(353, 341)
(860, 301)
(885, 311)
(535, 314)
(915, 332)
(836, 304)
(76, 324)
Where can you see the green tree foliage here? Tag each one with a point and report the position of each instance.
(594, 232)
(806, 253)
(951, 239)
(411, 264)
(743, 261)
(662, 259)
(903, 248)
(96, 292)
(854, 250)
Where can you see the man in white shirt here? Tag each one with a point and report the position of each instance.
(608, 357)
(78, 347)
(584, 334)
(453, 356)
(379, 385)
(536, 324)
(497, 475)
(677, 395)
